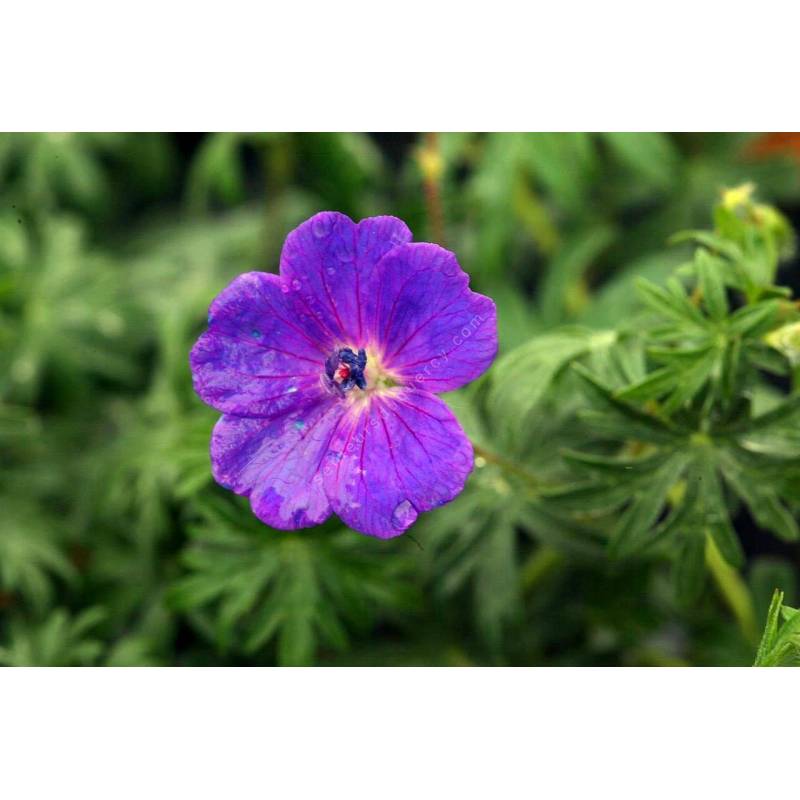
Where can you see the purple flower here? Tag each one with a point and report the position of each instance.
(327, 377)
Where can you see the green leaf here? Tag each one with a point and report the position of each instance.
(566, 270)
(774, 516)
(620, 468)
(679, 357)
(682, 515)
(715, 512)
(789, 613)
(711, 241)
(767, 574)
(731, 364)
(254, 585)
(616, 427)
(780, 414)
(496, 576)
(521, 379)
(783, 646)
(710, 274)
(652, 157)
(690, 566)
(562, 163)
(762, 501)
(640, 424)
(671, 303)
(217, 170)
(60, 640)
(654, 385)
(633, 533)
(754, 320)
(692, 380)
(592, 497)
(769, 636)
(30, 555)
(548, 526)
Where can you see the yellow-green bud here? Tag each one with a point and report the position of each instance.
(786, 339)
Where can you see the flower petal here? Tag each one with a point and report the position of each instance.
(328, 264)
(276, 462)
(434, 332)
(393, 457)
(254, 359)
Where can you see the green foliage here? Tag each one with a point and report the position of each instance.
(29, 553)
(672, 441)
(651, 158)
(249, 585)
(637, 449)
(88, 335)
(780, 643)
(59, 641)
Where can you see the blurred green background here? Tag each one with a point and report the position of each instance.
(116, 547)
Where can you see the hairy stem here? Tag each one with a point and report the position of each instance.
(507, 465)
(430, 161)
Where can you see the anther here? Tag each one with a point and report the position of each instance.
(345, 369)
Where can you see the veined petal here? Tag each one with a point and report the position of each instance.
(276, 462)
(306, 368)
(393, 457)
(254, 359)
(328, 265)
(433, 331)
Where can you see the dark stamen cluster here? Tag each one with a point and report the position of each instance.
(345, 369)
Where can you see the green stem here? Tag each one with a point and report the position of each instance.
(734, 591)
(544, 559)
(432, 166)
(506, 464)
(540, 564)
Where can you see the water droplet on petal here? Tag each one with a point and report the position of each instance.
(444, 492)
(463, 456)
(319, 227)
(255, 333)
(331, 271)
(291, 389)
(450, 267)
(403, 515)
(295, 284)
(284, 288)
(299, 424)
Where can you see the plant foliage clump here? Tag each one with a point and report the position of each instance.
(637, 477)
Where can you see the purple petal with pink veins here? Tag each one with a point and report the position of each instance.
(277, 462)
(328, 266)
(254, 359)
(302, 367)
(434, 332)
(395, 456)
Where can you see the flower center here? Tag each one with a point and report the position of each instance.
(345, 369)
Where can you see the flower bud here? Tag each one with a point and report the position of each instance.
(786, 339)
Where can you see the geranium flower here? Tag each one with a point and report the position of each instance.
(327, 377)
